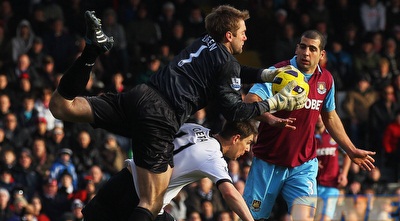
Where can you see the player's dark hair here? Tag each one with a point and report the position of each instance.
(243, 128)
(314, 34)
(222, 19)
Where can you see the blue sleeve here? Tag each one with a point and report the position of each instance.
(329, 104)
(263, 90)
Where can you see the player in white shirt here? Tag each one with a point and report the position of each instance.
(197, 154)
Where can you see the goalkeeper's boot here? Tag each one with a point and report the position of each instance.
(95, 35)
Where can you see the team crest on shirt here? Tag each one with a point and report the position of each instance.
(255, 205)
(321, 87)
(236, 84)
(332, 141)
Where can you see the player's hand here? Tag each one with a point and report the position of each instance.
(285, 100)
(281, 122)
(363, 158)
(268, 75)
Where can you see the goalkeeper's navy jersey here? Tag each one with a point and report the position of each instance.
(203, 71)
(196, 155)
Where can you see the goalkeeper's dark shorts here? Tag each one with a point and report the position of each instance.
(144, 115)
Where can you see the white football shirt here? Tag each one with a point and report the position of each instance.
(196, 155)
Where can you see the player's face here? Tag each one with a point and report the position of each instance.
(240, 147)
(308, 55)
(238, 40)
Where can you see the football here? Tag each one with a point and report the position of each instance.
(284, 77)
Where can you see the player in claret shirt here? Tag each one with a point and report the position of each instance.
(285, 157)
(331, 176)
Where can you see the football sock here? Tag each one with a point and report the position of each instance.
(74, 80)
(141, 214)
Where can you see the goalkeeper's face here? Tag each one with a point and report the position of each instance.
(239, 38)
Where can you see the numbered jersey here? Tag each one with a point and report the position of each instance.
(202, 72)
(196, 155)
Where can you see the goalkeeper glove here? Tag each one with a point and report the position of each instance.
(268, 75)
(285, 100)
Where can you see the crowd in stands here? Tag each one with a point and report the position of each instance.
(50, 169)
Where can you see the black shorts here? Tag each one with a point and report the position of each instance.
(143, 115)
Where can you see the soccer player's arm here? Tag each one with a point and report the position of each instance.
(234, 200)
(342, 179)
(335, 127)
(268, 117)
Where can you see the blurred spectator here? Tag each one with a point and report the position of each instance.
(344, 12)
(22, 67)
(382, 76)
(166, 55)
(6, 179)
(5, 87)
(118, 59)
(204, 191)
(85, 153)
(177, 208)
(194, 216)
(374, 181)
(4, 142)
(18, 208)
(23, 40)
(351, 39)
(117, 84)
(77, 207)
(143, 34)
(73, 11)
(97, 175)
(5, 107)
(87, 191)
(24, 173)
(5, 211)
(286, 43)
(373, 15)
(60, 45)
(5, 49)
(54, 203)
(63, 163)
(356, 104)
(381, 114)
(9, 18)
(381, 210)
(319, 12)
(340, 65)
(24, 88)
(36, 53)
(366, 61)
(57, 139)
(8, 158)
(42, 106)
(19, 137)
(207, 210)
(38, 21)
(392, 14)
(36, 203)
(47, 73)
(66, 184)
(42, 159)
(194, 24)
(27, 115)
(391, 142)
(234, 170)
(128, 11)
(153, 64)
(52, 10)
(112, 155)
(178, 39)
(378, 42)
(390, 53)
(41, 129)
(166, 20)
